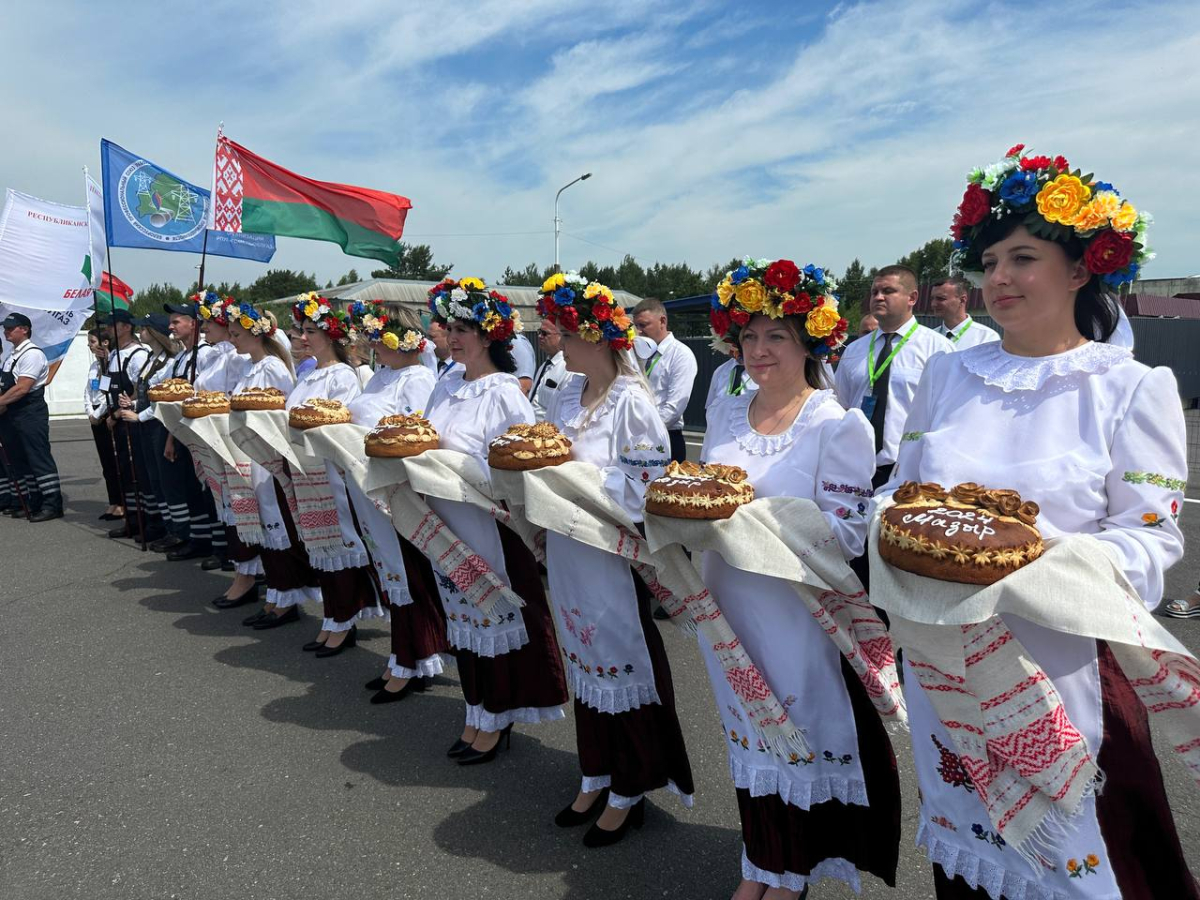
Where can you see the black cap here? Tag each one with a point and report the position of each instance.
(180, 309)
(158, 322)
(121, 315)
(16, 320)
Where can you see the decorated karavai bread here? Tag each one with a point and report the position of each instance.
(968, 534)
(173, 390)
(258, 398)
(205, 403)
(317, 412)
(401, 436)
(529, 447)
(692, 491)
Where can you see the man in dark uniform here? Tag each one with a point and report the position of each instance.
(124, 363)
(25, 420)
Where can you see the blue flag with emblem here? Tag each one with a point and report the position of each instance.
(146, 206)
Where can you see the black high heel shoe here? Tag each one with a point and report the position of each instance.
(458, 748)
(473, 757)
(571, 818)
(376, 684)
(414, 686)
(600, 837)
(350, 641)
(249, 596)
(312, 645)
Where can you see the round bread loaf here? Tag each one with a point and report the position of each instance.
(173, 390)
(691, 491)
(258, 398)
(968, 534)
(205, 403)
(525, 447)
(401, 436)
(317, 412)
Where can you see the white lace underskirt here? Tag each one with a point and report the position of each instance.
(371, 612)
(426, 668)
(839, 869)
(249, 567)
(478, 717)
(293, 597)
(618, 801)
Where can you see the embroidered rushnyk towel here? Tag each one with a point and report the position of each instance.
(1029, 763)
(570, 500)
(252, 432)
(386, 483)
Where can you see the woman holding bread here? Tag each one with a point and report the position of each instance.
(508, 661)
(834, 811)
(289, 576)
(1066, 418)
(626, 729)
(348, 589)
(400, 387)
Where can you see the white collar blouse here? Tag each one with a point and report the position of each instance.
(469, 415)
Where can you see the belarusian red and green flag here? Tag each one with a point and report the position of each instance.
(251, 194)
(112, 291)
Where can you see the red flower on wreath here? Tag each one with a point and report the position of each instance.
(975, 206)
(1110, 251)
(783, 275)
(1060, 163)
(720, 321)
(739, 316)
(568, 318)
(602, 311)
(1033, 163)
(1013, 151)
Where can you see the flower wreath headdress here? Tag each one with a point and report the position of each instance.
(1056, 203)
(586, 309)
(373, 322)
(469, 300)
(777, 289)
(316, 309)
(254, 321)
(212, 307)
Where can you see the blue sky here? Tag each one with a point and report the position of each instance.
(819, 132)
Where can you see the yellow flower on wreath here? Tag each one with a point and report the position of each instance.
(246, 322)
(725, 291)
(773, 307)
(391, 340)
(822, 321)
(554, 282)
(750, 295)
(311, 309)
(490, 321)
(1096, 213)
(205, 311)
(591, 291)
(471, 283)
(1061, 199)
(590, 332)
(1125, 218)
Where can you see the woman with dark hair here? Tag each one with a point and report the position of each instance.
(290, 580)
(1070, 804)
(509, 663)
(835, 811)
(627, 731)
(401, 386)
(348, 589)
(95, 404)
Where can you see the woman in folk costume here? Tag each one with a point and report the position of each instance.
(834, 811)
(1069, 419)
(290, 578)
(626, 728)
(509, 665)
(401, 386)
(348, 589)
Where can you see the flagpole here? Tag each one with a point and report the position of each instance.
(195, 317)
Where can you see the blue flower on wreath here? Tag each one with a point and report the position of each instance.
(564, 296)
(822, 349)
(740, 274)
(1019, 189)
(815, 273)
(1104, 186)
(503, 308)
(210, 297)
(716, 302)
(1126, 275)
(961, 245)
(479, 311)
(611, 332)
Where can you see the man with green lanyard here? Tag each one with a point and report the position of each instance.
(729, 379)
(948, 301)
(879, 374)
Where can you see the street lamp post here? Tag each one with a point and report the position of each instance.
(557, 221)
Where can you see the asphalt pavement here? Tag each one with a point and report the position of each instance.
(152, 747)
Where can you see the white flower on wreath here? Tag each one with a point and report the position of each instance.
(458, 294)
(323, 309)
(996, 172)
(458, 311)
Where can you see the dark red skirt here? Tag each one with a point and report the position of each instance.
(782, 838)
(533, 676)
(287, 570)
(642, 749)
(239, 552)
(418, 628)
(1135, 818)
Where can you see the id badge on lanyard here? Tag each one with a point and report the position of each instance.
(868, 405)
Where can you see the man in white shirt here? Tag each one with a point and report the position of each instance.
(879, 374)
(526, 360)
(441, 348)
(949, 303)
(551, 373)
(729, 379)
(671, 371)
(25, 421)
